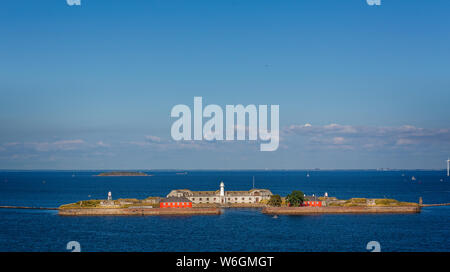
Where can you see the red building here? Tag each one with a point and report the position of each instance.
(175, 202)
(311, 201)
(308, 203)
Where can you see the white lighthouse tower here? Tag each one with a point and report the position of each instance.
(222, 192)
(222, 189)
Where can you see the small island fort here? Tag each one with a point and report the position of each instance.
(187, 202)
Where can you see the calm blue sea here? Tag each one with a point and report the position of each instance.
(235, 229)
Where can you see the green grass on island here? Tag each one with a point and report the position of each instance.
(121, 203)
(121, 174)
(363, 202)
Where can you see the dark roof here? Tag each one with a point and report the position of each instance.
(175, 199)
(311, 198)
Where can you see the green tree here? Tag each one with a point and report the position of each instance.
(295, 198)
(275, 200)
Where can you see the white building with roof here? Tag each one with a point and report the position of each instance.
(221, 196)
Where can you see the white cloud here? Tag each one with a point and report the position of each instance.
(58, 145)
(11, 144)
(102, 144)
(365, 137)
(61, 145)
(338, 140)
(404, 142)
(152, 138)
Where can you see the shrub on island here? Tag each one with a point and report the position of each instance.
(295, 198)
(275, 200)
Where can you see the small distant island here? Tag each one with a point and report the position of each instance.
(122, 174)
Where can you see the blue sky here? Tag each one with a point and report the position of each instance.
(92, 86)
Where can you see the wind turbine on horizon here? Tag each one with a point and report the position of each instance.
(448, 167)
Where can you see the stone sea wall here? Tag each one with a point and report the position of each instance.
(138, 211)
(340, 210)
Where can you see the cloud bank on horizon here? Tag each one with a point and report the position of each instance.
(301, 142)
